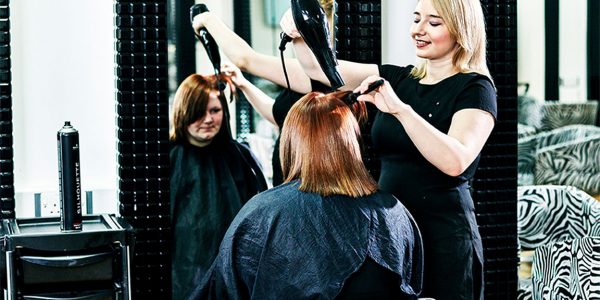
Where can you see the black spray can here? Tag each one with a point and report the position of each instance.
(69, 178)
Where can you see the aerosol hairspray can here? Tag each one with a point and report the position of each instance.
(69, 178)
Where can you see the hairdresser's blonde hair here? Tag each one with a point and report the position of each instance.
(466, 24)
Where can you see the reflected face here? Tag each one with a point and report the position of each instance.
(202, 131)
(430, 34)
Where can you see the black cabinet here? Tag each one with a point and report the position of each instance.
(39, 261)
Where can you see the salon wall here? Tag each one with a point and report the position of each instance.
(531, 49)
(572, 37)
(397, 46)
(63, 69)
(572, 48)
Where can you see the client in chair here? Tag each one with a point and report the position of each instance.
(327, 232)
(212, 176)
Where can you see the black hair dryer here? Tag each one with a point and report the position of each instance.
(206, 39)
(311, 22)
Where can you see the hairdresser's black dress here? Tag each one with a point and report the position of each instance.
(209, 185)
(441, 204)
(289, 244)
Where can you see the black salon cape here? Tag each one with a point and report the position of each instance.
(288, 244)
(209, 185)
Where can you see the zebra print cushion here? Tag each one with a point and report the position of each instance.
(559, 114)
(549, 214)
(575, 163)
(567, 270)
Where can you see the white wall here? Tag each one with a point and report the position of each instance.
(531, 46)
(63, 69)
(396, 44)
(572, 50)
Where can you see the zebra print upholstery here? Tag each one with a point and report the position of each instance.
(575, 163)
(567, 270)
(525, 130)
(548, 214)
(568, 143)
(559, 114)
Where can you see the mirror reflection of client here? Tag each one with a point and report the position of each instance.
(327, 232)
(212, 176)
(268, 67)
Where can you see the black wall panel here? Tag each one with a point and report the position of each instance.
(7, 189)
(142, 141)
(495, 183)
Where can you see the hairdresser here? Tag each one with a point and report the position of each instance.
(434, 118)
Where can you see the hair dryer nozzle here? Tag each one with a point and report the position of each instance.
(311, 21)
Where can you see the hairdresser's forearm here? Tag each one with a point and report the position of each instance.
(234, 47)
(308, 61)
(352, 73)
(269, 67)
(260, 101)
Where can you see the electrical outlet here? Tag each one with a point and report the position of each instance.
(50, 204)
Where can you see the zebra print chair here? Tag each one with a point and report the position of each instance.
(560, 114)
(549, 214)
(560, 152)
(568, 269)
(570, 156)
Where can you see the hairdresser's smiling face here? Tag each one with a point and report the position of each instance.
(430, 34)
(202, 131)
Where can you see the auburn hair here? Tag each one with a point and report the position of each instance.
(320, 146)
(191, 100)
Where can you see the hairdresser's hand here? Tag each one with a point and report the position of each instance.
(199, 21)
(235, 74)
(383, 97)
(288, 26)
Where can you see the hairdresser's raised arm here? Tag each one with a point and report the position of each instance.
(248, 60)
(352, 73)
(259, 100)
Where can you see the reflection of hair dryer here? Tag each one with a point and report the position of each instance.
(311, 22)
(212, 50)
(353, 97)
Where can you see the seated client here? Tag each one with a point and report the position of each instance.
(212, 176)
(327, 232)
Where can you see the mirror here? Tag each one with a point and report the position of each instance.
(63, 70)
